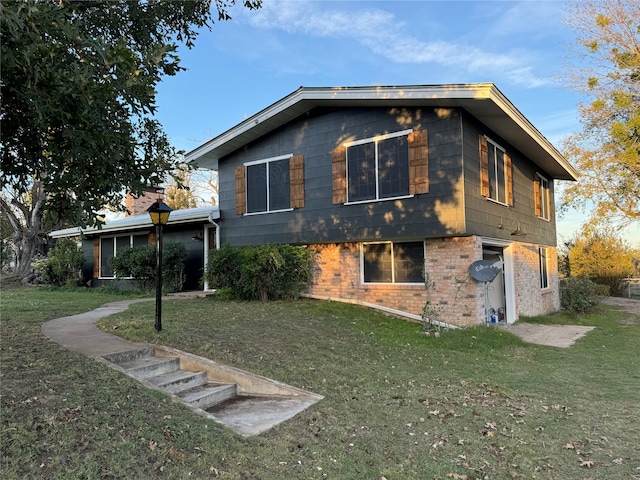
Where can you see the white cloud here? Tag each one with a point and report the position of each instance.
(380, 31)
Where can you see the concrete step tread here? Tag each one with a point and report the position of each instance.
(178, 381)
(150, 366)
(209, 394)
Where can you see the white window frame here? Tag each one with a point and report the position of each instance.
(115, 251)
(393, 269)
(375, 140)
(545, 197)
(543, 254)
(259, 162)
(495, 191)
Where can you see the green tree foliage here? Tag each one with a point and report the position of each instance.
(78, 94)
(62, 267)
(139, 264)
(602, 257)
(606, 151)
(260, 272)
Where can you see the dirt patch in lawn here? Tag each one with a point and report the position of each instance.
(562, 336)
(626, 304)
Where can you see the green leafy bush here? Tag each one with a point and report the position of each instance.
(139, 264)
(63, 266)
(581, 295)
(260, 272)
(614, 283)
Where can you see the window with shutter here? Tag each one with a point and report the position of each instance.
(542, 197)
(270, 185)
(496, 172)
(389, 166)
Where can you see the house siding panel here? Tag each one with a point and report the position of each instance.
(437, 213)
(483, 216)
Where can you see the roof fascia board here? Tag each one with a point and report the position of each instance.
(456, 94)
(522, 122)
(141, 222)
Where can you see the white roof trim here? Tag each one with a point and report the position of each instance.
(137, 222)
(482, 100)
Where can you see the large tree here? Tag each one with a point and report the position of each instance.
(607, 149)
(77, 102)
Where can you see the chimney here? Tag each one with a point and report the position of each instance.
(139, 205)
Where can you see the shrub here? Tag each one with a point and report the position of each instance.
(580, 295)
(260, 272)
(63, 266)
(615, 284)
(139, 264)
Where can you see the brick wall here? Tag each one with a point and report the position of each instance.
(530, 298)
(337, 275)
(459, 298)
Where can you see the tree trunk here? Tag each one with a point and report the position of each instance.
(26, 220)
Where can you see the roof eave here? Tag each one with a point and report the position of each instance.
(141, 222)
(477, 99)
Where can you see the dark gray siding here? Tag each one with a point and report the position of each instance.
(484, 216)
(437, 213)
(194, 261)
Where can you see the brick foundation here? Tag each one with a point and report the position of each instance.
(459, 298)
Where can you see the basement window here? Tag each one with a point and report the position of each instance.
(392, 262)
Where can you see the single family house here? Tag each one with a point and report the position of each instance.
(388, 185)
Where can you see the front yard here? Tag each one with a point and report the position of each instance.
(477, 403)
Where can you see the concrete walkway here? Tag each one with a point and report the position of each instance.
(79, 332)
(247, 415)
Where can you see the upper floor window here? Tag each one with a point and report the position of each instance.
(542, 196)
(393, 165)
(110, 246)
(270, 185)
(496, 173)
(544, 267)
(389, 262)
(378, 168)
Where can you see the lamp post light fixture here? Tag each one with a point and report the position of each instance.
(159, 213)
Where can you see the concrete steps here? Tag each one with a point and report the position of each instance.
(192, 387)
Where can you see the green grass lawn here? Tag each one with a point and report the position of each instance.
(477, 403)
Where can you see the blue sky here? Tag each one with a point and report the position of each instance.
(250, 62)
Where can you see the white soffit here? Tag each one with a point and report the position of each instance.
(482, 100)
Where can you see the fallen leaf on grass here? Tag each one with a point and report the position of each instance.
(587, 463)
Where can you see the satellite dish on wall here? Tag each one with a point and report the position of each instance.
(484, 270)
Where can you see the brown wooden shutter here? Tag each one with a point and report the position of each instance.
(509, 167)
(339, 174)
(418, 162)
(484, 167)
(96, 258)
(296, 171)
(151, 238)
(536, 195)
(241, 197)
